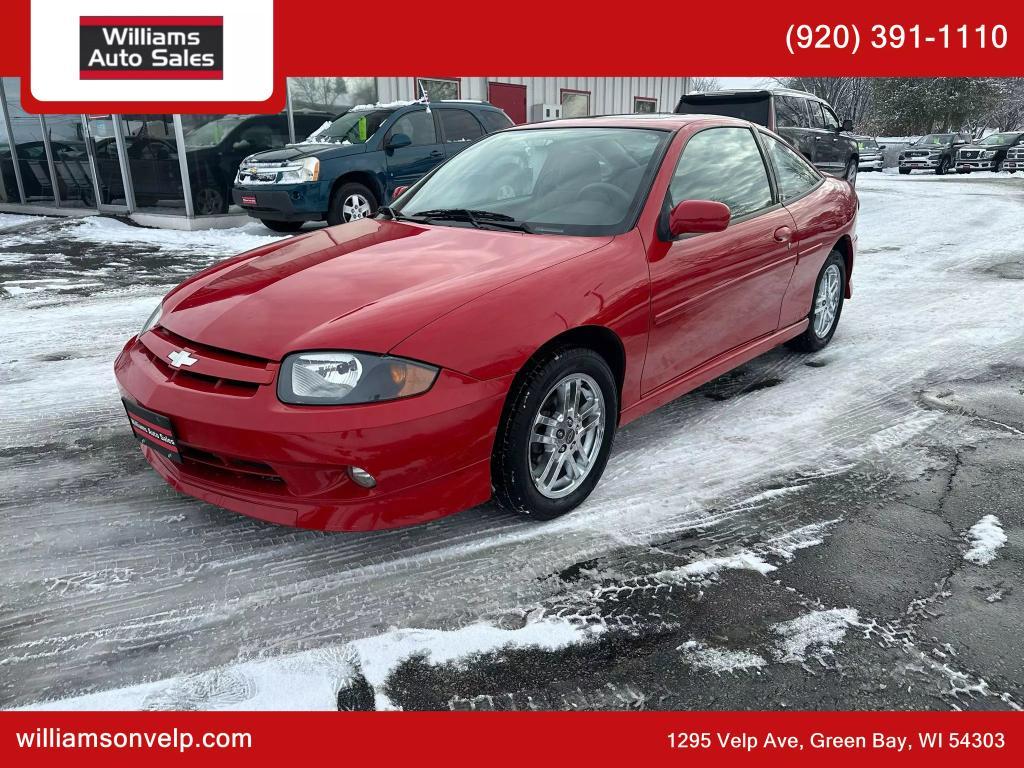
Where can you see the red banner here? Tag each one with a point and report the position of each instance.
(512, 738)
(659, 38)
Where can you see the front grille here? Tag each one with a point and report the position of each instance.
(219, 464)
(919, 154)
(262, 173)
(969, 154)
(1017, 153)
(216, 370)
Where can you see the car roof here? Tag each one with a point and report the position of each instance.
(757, 92)
(662, 121)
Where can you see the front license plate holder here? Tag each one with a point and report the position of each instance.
(248, 199)
(153, 430)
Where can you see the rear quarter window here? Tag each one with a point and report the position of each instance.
(494, 120)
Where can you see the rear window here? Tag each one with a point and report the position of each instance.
(752, 108)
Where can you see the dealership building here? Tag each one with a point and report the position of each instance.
(176, 170)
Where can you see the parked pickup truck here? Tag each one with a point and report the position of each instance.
(935, 152)
(989, 154)
(347, 168)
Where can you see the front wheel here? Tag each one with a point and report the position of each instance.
(904, 171)
(943, 168)
(829, 293)
(351, 202)
(553, 443)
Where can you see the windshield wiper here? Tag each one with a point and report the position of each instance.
(394, 215)
(477, 218)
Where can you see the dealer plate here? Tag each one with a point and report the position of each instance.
(153, 429)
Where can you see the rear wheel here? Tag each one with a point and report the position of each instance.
(351, 202)
(553, 443)
(282, 226)
(829, 293)
(209, 201)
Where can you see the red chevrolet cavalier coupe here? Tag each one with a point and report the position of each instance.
(487, 334)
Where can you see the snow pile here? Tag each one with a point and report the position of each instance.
(817, 631)
(13, 219)
(311, 680)
(788, 544)
(102, 229)
(719, 660)
(986, 537)
(744, 560)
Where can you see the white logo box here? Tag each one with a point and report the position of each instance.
(248, 52)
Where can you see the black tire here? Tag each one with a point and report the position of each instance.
(282, 226)
(999, 166)
(511, 476)
(209, 201)
(851, 171)
(809, 341)
(943, 168)
(336, 213)
(904, 171)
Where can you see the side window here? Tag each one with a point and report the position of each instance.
(831, 121)
(795, 175)
(494, 120)
(817, 118)
(459, 125)
(722, 164)
(790, 112)
(418, 126)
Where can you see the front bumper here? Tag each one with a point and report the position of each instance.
(1013, 164)
(244, 450)
(920, 162)
(284, 202)
(975, 165)
(870, 164)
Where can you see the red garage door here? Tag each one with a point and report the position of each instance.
(511, 98)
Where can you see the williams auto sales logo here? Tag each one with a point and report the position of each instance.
(109, 55)
(151, 47)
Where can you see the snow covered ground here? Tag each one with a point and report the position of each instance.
(119, 593)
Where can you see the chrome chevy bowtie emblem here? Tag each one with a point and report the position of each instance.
(180, 357)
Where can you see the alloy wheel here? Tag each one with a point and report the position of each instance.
(826, 303)
(208, 202)
(355, 207)
(566, 435)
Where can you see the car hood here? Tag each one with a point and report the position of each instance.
(299, 151)
(363, 286)
(984, 147)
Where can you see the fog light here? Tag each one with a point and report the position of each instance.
(361, 477)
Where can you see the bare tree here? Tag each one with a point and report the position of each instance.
(702, 84)
(319, 91)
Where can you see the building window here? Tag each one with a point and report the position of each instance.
(644, 105)
(438, 88)
(575, 103)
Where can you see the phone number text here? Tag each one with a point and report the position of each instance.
(848, 37)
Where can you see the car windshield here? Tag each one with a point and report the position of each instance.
(353, 127)
(867, 144)
(574, 181)
(212, 133)
(1000, 138)
(934, 140)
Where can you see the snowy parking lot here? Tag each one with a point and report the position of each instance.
(842, 530)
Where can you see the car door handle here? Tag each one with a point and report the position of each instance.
(783, 234)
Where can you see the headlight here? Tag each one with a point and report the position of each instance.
(307, 170)
(153, 318)
(347, 378)
(989, 153)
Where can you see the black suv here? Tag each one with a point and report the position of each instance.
(990, 153)
(935, 152)
(804, 120)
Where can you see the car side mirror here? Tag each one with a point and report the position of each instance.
(881, 146)
(698, 216)
(399, 140)
(399, 191)
(847, 125)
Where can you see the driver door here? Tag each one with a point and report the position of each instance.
(714, 292)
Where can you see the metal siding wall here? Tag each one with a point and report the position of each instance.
(608, 95)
